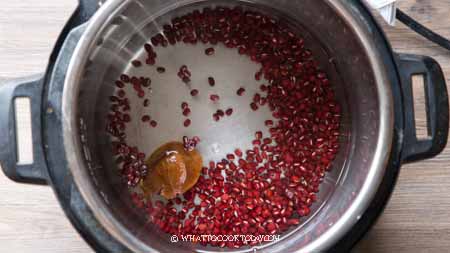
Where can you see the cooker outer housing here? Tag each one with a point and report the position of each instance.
(47, 114)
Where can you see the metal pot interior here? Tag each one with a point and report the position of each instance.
(328, 30)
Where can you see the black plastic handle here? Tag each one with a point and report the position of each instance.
(29, 87)
(437, 107)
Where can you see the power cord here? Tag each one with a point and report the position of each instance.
(422, 30)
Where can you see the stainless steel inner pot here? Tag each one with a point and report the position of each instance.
(115, 36)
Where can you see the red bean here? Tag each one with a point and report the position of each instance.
(121, 93)
(214, 97)
(150, 61)
(145, 82)
(148, 48)
(186, 79)
(194, 92)
(256, 98)
(124, 78)
(184, 74)
(186, 112)
(126, 118)
(136, 63)
(230, 157)
(240, 91)
(160, 69)
(258, 75)
(119, 84)
(269, 122)
(211, 81)
(209, 51)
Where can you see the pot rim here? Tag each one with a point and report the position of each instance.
(79, 171)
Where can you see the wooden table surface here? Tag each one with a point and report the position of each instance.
(417, 218)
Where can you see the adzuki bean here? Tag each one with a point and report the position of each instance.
(211, 81)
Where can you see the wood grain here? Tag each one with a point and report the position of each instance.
(31, 219)
(415, 220)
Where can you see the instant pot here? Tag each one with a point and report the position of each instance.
(373, 83)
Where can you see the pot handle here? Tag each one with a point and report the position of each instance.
(437, 107)
(31, 88)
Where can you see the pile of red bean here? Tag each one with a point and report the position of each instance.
(269, 188)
